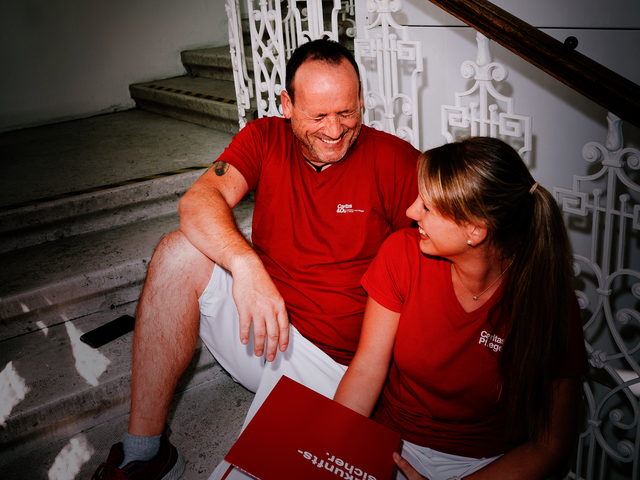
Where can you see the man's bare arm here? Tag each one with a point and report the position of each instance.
(207, 221)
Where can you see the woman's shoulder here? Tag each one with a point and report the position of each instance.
(404, 240)
(409, 235)
(403, 248)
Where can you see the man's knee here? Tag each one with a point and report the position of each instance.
(177, 260)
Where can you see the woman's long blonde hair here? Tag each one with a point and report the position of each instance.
(484, 181)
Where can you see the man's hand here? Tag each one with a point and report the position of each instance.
(259, 302)
(406, 468)
(208, 223)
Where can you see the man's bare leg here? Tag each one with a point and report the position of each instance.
(166, 330)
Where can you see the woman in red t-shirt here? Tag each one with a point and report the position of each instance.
(472, 332)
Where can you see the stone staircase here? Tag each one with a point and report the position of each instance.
(206, 96)
(71, 262)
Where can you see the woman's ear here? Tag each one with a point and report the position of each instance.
(477, 233)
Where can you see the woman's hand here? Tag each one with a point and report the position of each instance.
(406, 468)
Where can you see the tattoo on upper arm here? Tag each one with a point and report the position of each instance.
(220, 168)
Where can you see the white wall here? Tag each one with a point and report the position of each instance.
(76, 58)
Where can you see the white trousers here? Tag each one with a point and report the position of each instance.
(304, 363)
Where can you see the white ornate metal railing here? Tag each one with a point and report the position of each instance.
(314, 20)
(609, 291)
(268, 52)
(609, 284)
(348, 17)
(274, 37)
(482, 117)
(342, 22)
(385, 46)
(243, 84)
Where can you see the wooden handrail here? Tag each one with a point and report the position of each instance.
(596, 82)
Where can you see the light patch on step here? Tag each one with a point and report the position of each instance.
(13, 389)
(71, 459)
(90, 363)
(43, 327)
(25, 309)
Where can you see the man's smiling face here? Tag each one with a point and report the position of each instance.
(326, 117)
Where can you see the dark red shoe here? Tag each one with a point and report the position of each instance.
(168, 464)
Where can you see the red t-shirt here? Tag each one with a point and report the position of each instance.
(318, 232)
(443, 385)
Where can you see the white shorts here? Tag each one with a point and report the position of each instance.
(437, 465)
(220, 331)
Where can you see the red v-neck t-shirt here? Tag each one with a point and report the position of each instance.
(318, 232)
(443, 386)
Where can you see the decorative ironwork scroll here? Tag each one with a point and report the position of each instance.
(609, 289)
(386, 48)
(274, 38)
(314, 20)
(291, 29)
(267, 48)
(348, 17)
(241, 79)
(483, 118)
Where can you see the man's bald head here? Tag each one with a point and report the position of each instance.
(322, 50)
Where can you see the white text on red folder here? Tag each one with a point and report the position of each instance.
(338, 467)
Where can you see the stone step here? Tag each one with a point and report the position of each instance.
(61, 386)
(213, 62)
(55, 282)
(204, 101)
(54, 292)
(70, 278)
(94, 209)
(204, 423)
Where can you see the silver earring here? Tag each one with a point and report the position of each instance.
(469, 243)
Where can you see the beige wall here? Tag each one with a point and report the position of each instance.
(76, 58)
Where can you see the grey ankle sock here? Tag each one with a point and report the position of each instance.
(139, 448)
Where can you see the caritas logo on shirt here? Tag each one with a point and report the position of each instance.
(347, 208)
(493, 342)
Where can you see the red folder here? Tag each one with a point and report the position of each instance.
(300, 434)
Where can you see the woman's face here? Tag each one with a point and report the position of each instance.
(439, 236)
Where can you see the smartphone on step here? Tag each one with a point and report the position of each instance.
(109, 331)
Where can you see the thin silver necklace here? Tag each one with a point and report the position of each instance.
(475, 297)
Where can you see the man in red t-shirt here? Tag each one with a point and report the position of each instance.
(328, 191)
